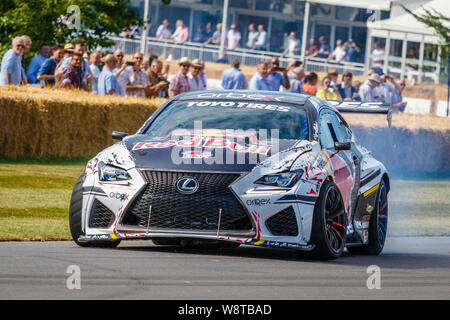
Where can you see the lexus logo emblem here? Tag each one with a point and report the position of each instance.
(187, 185)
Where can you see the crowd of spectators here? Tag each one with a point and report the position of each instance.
(257, 39)
(269, 76)
(70, 67)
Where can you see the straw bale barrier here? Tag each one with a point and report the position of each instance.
(42, 123)
(61, 123)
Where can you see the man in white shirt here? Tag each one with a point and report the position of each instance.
(233, 38)
(261, 41)
(293, 45)
(138, 82)
(94, 62)
(252, 35)
(196, 82)
(163, 32)
(339, 52)
(121, 72)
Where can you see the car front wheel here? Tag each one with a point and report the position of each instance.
(329, 223)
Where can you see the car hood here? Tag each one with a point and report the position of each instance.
(202, 153)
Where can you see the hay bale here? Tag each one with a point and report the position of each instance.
(42, 123)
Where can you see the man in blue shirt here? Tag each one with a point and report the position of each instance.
(36, 62)
(107, 82)
(260, 81)
(277, 78)
(46, 73)
(11, 67)
(234, 78)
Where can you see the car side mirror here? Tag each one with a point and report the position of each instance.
(117, 135)
(338, 146)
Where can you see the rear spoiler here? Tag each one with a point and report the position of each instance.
(364, 107)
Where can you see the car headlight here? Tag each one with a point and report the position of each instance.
(108, 173)
(283, 180)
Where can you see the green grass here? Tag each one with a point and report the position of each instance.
(35, 195)
(34, 199)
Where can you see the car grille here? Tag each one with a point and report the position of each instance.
(194, 212)
(283, 223)
(101, 216)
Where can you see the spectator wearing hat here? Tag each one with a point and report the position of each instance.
(46, 73)
(11, 67)
(36, 62)
(234, 78)
(260, 80)
(107, 81)
(297, 82)
(180, 82)
(68, 52)
(367, 91)
(196, 82)
(346, 90)
(327, 92)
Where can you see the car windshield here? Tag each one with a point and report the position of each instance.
(274, 118)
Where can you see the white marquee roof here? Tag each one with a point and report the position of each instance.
(406, 25)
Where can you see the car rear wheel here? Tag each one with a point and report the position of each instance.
(329, 226)
(75, 209)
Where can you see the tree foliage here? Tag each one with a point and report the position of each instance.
(51, 21)
(439, 23)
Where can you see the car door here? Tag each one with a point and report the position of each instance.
(345, 173)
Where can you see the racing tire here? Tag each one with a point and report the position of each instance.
(328, 226)
(76, 203)
(377, 225)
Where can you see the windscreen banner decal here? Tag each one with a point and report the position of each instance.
(235, 104)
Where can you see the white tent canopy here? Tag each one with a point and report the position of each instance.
(372, 4)
(407, 24)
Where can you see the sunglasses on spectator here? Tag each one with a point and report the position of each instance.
(119, 55)
(185, 65)
(138, 58)
(197, 68)
(20, 46)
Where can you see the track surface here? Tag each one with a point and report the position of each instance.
(411, 268)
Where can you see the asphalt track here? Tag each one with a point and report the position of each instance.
(410, 268)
